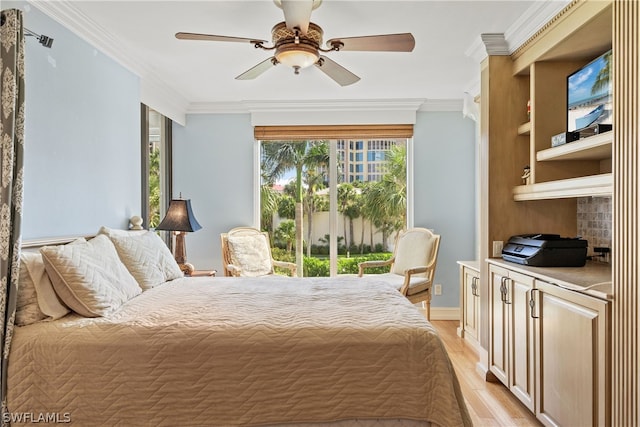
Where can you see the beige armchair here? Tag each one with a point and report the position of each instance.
(246, 252)
(413, 265)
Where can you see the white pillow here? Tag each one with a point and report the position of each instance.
(27, 309)
(89, 276)
(147, 258)
(413, 250)
(251, 254)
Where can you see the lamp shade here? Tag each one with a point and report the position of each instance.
(179, 217)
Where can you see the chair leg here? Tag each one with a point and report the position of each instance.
(428, 307)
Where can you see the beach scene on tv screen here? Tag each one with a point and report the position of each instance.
(589, 97)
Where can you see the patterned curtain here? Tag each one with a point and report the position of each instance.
(11, 159)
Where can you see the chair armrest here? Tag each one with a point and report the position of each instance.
(235, 271)
(415, 270)
(371, 264)
(288, 265)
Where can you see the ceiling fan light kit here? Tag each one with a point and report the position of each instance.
(296, 50)
(297, 42)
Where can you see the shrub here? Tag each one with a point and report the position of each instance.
(315, 267)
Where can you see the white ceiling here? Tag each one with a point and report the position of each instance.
(443, 65)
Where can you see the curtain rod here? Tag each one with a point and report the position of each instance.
(42, 39)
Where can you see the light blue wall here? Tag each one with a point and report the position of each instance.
(82, 135)
(444, 197)
(213, 166)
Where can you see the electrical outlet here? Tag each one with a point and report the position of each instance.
(497, 248)
(437, 289)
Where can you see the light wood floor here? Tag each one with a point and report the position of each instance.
(489, 404)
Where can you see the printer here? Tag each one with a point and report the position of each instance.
(546, 250)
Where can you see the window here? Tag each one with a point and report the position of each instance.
(156, 165)
(296, 189)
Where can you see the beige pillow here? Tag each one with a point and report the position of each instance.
(48, 301)
(27, 309)
(147, 258)
(89, 276)
(412, 252)
(251, 254)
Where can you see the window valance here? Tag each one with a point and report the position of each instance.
(306, 132)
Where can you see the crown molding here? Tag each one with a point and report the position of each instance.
(335, 105)
(534, 18)
(154, 92)
(315, 106)
(442, 105)
(297, 106)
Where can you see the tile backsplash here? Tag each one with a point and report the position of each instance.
(594, 221)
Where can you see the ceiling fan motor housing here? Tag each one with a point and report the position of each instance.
(295, 49)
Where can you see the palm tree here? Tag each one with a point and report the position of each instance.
(602, 80)
(280, 157)
(386, 201)
(268, 206)
(286, 233)
(368, 210)
(346, 194)
(314, 181)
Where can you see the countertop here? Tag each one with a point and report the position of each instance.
(593, 279)
(474, 265)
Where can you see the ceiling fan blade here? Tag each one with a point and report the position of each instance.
(337, 72)
(255, 71)
(297, 13)
(214, 38)
(403, 42)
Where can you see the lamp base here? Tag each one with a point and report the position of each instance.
(180, 253)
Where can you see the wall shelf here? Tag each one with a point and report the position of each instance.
(594, 185)
(524, 129)
(596, 147)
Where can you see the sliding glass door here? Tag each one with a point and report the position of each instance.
(329, 204)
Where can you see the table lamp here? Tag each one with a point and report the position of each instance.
(180, 220)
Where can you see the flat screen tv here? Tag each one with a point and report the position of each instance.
(589, 94)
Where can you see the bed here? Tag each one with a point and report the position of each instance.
(223, 351)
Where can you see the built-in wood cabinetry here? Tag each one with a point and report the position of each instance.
(572, 366)
(550, 346)
(511, 347)
(579, 168)
(510, 140)
(470, 301)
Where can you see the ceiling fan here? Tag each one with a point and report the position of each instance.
(297, 43)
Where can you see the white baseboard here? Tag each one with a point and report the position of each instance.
(443, 313)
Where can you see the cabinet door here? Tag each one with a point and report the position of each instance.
(498, 324)
(521, 339)
(571, 335)
(470, 308)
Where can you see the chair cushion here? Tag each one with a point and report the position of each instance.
(417, 283)
(251, 254)
(414, 250)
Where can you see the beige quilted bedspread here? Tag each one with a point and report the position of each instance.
(239, 351)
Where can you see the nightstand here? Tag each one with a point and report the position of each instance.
(203, 273)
